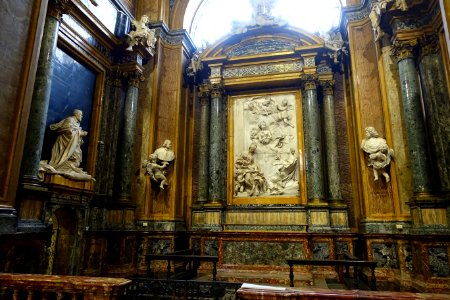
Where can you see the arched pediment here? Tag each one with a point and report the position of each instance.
(261, 41)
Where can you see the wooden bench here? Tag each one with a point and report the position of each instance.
(356, 264)
(191, 261)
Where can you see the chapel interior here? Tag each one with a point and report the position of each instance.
(124, 134)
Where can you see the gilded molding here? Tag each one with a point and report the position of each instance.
(57, 8)
(404, 49)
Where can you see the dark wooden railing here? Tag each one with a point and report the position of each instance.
(36, 286)
(191, 261)
(356, 264)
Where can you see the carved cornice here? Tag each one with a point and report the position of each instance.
(309, 82)
(327, 86)
(57, 8)
(173, 37)
(429, 44)
(404, 49)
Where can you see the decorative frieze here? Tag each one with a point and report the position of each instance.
(263, 69)
(262, 47)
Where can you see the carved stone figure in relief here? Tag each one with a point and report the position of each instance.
(248, 177)
(379, 154)
(158, 162)
(286, 173)
(141, 35)
(66, 152)
(282, 114)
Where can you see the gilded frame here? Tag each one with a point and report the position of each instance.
(299, 199)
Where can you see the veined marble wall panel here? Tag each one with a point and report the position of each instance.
(394, 99)
(20, 43)
(157, 10)
(267, 218)
(169, 114)
(368, 110)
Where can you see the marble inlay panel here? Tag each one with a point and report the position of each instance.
(261, 253)
(211, 247)
(385, 255)
(438, 259)
(321, 251)
(157, 246)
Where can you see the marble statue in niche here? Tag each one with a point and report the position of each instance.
(248, 177)
(157, 163)
(66, 152)
(268, 124)
(379, 154)
(141, 35)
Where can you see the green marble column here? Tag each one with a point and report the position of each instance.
(126, 151)
(413, 116)
(313, 143)
(216, 166)
(334, 189)
(41, 93)
(203, 163)
(437, 107)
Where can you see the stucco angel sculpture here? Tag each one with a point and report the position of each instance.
(142, 34)
(379, 154)
(158, 162)
(66, 152)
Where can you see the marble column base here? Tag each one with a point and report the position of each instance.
(8, 220)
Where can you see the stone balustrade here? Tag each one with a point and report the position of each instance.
(36, 286)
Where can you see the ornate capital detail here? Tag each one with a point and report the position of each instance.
(114, 79)
(216, 90)
(404, 49)
(309, 82)
(429, 44)
(203, 93)
(57, 8)
(327, 86)
(134, 78)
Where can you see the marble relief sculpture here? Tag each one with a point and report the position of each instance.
(157, 163)
(66, 152)
(269, 167)
(285, 174)
(379, 154)
(141, 35)
(248, 177)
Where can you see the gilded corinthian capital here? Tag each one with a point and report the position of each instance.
(327, 86)
(309, 82)
(404, 49)
(57, 8)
